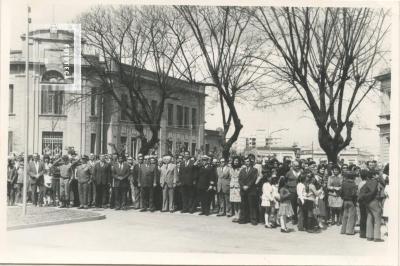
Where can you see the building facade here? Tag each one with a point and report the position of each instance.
(251, 142)
(61, 119)
(384, 117)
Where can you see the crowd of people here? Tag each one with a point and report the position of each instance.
(250, 190)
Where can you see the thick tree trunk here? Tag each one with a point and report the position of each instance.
(328, 145)
(226, 147)
(226, 152)
(332, 156)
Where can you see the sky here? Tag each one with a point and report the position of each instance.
(297, 123)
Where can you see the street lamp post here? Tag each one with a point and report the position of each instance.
(25, 189)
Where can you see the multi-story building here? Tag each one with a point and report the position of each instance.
(384, 118)
(251, 142)
(58, 119)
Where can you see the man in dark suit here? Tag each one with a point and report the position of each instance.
(147, 182)
(36, 171)
(187, 178)
(136, 199)
(101, 175)
(207, 177)
(248, 192)
(158, 188)
(121, 172)
(178, 187)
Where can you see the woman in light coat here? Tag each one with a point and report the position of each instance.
(234, 188)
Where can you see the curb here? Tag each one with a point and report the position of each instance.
(77, 220)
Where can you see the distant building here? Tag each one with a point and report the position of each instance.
(384, 117)
(349, 155)
(251, 142)
(96, 123)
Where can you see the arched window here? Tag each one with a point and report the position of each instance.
(52, 76)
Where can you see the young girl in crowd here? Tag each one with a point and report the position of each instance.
(267, 201)
(285, 207)
(334, 199)
(275, 203)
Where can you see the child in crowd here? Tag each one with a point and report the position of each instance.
(301, 196)
(267, 201)
(275, 203)
(285, 207)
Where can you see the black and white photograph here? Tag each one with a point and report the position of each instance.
(236, 133)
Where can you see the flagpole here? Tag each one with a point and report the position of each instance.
(25, 188)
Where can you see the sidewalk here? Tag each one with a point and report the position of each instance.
(44, 216)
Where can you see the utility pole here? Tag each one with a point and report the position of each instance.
(25, 189)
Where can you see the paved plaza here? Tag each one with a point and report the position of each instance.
(134, 231)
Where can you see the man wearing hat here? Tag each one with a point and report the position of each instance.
(121, 172)
(35, 171)
(83, 178)
(65, 175)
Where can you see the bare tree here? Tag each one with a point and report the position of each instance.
(325, 55)
(135, 63)
(228, 58)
